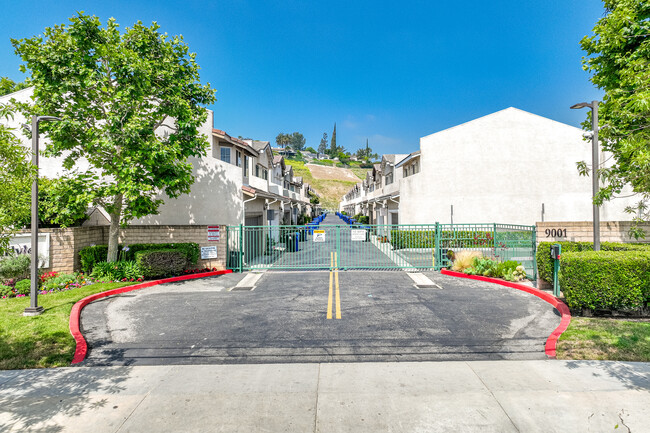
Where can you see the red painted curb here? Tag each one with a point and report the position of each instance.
(75, 315)
(551, 341)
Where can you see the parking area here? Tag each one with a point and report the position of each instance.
(284, 319)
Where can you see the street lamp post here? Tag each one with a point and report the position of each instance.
(34, 309)
(594, 155)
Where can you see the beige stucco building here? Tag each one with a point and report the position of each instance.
(234, 183)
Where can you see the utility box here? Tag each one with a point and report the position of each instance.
(556, 250)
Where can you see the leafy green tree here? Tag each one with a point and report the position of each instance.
(322, 147)
(62, 202)
(16, 176)
(618, 58)
(7, 85)
(297, 141)
(310, 149)
(283, 139)
(131, 104)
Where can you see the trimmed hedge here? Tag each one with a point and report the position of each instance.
(606, 280)
(88, 256)
(161, 263)
(545, 264)
(412, 238)
(99, 253)
(456, 238)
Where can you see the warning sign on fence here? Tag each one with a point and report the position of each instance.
(319, 235)
(357, 235)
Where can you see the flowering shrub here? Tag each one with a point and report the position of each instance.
(63, 282)
(46, 276)
(509, 270)
(117, 271)
(6, 292)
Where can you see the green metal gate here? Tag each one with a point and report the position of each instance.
(374, 247)
(501, 241)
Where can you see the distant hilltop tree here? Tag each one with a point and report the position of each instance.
(322, 147)
(333, 148)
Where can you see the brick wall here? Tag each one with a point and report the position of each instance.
(582, 231)
(66, 243)
(171, 234)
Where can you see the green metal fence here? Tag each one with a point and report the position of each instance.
(501, 241)
(374, 247)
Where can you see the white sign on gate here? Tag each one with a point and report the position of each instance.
(357, 235)
(319, 235)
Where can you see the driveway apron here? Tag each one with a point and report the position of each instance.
(284, 319)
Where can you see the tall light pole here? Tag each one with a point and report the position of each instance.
(34, 309)
(594, 156)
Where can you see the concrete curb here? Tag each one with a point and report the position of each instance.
(551, 341)
(75, 315)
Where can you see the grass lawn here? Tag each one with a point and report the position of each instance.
(605, 339)
(45, 340)
(360, 172)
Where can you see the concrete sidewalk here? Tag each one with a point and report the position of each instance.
(479, 396)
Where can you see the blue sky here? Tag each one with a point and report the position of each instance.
(391, 72)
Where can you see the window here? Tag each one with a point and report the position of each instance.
(416, 167)
(238, 158)
(266, 174)
(245, 165)
(257, 171)
(225, 154)
(389, 178)
(406, 172)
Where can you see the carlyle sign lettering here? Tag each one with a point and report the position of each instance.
(22, 244)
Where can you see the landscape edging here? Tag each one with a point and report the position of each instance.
(551, 341)
(75, 314)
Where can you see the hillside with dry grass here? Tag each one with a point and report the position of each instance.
(331, 183)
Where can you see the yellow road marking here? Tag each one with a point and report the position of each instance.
(329, 298)
(338, 296)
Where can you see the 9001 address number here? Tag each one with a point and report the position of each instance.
(555, 233)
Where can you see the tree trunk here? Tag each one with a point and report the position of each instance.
(114, 230)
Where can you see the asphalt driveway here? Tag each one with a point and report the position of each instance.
(284, 319)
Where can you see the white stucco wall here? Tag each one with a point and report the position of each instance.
(501, 168)
(215, 196)
(48, 167)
